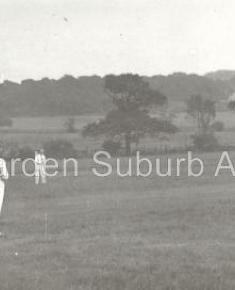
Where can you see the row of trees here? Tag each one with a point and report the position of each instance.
(130, 118)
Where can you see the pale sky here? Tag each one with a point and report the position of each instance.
(50, 38)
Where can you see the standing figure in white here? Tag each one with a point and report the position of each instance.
(40, 166)
(3, 177)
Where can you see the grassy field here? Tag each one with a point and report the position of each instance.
(45, 124)
(132, 233)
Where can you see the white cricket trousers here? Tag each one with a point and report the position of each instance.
(2, 190)
(40, 172)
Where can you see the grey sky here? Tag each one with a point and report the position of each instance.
(40, 38)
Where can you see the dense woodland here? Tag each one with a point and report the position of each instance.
(86, 95)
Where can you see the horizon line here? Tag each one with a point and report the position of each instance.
(3, 80)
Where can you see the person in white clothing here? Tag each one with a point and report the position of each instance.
(3, 177)
(40, 166)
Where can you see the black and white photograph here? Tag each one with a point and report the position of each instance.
(117, 145)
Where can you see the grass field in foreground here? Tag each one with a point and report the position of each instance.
(109, 233)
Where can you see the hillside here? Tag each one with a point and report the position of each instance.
(86, 94)
(179, 86)
(66, 96)
(223, 75)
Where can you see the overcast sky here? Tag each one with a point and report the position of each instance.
(50, 38)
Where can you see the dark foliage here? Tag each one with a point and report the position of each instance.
(132, 98)
(10, 150)
(59, 149)
(47, 97)
(70, 125)
(26, 152)
(72, 96)
(5, 122)
(217, 126)
(205, 142)
(231, 105)
(112, 147)
(202, 110)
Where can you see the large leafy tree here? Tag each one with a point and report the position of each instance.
(202, 110)
(132, 98)
(231, 103)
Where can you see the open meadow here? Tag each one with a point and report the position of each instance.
(117, 145)
(89, 232)
(35, 131)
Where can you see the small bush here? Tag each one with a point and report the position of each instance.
(205, 142)
(26, 152)
(10, 150)
(218, 126)
(70, 125)
(231, 105)
(59, 149)
(6, 122)
(111, 146)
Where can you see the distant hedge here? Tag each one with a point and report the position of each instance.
(59, 149)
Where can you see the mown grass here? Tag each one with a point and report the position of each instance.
(120, 233)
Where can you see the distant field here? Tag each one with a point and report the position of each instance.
(45, 124)
(228, 118)
(35, 131)
(117, 233)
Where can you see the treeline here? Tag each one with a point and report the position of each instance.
(86, 95)
(48, 97)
